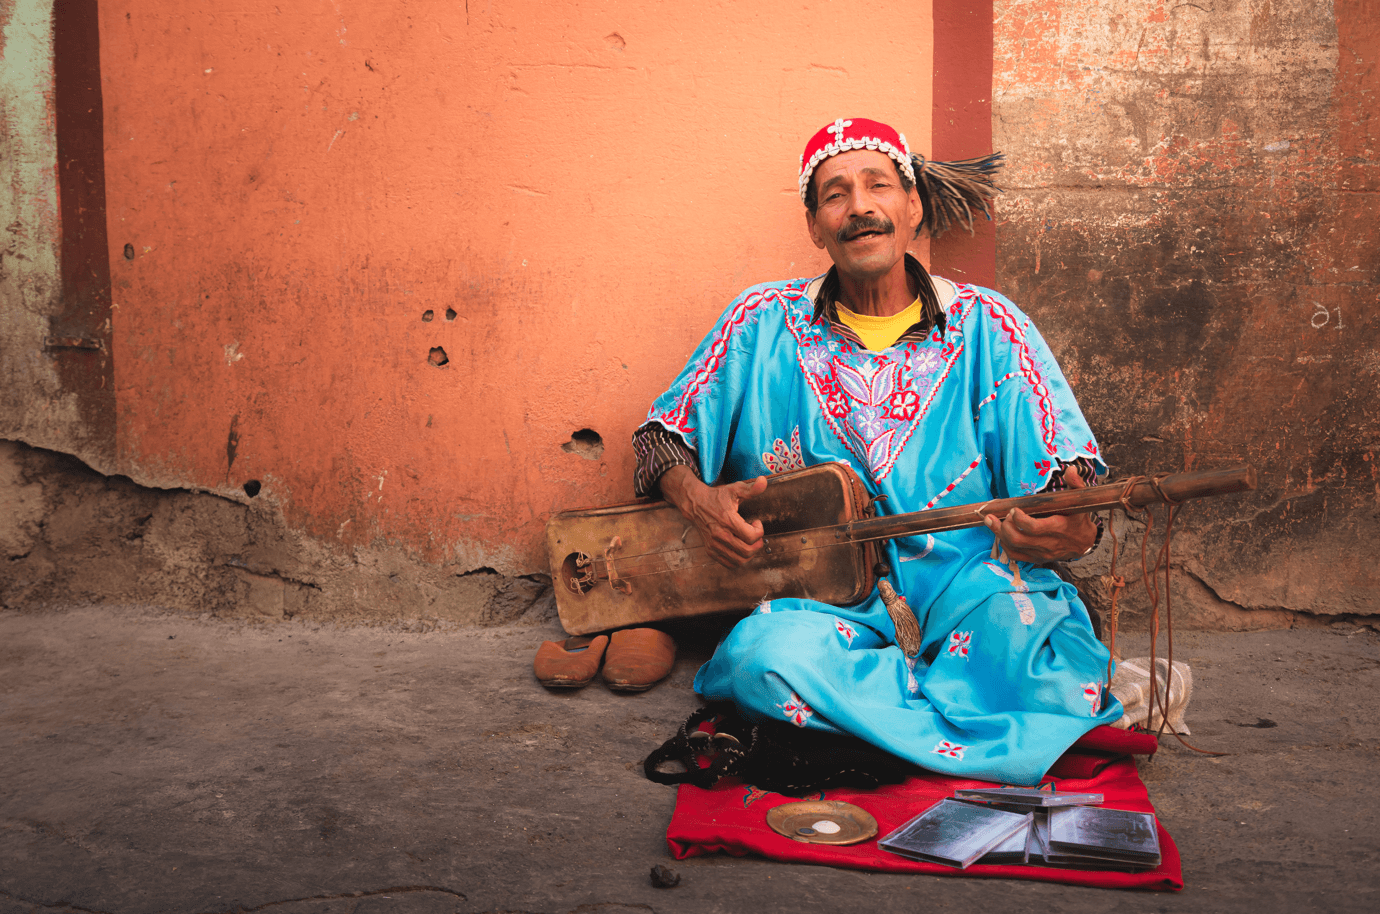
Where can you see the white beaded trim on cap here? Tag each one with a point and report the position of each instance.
(900, 156)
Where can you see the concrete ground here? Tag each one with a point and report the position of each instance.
(155, 763)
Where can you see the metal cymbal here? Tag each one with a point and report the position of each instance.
(822, 822)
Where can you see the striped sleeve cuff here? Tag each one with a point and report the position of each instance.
(1088, 473)
(657, 450)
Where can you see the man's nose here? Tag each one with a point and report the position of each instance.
(861, 203)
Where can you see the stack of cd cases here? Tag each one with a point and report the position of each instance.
(1019, 825)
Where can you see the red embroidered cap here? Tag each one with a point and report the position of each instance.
(845, 135)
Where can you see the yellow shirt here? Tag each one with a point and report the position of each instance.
(880, 332)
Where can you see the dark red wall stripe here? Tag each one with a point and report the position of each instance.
(963, 126)
(84, 318)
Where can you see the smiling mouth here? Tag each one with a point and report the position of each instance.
(864, 236)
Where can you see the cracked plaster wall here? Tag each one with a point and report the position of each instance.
(70, 535)
(33, 404)
(401, 279)
(392, 263)
(1190, 218)
(1191, 198)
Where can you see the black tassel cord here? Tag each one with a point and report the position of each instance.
(953, 191)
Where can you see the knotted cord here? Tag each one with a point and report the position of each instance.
(1150, 578)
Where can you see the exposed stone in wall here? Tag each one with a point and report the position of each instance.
(1190, 220)
(71, 535)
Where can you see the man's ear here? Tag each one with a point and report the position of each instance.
(916, 210)
(814, 230)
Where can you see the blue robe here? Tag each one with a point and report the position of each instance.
(1008, 675)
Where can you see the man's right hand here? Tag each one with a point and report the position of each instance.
(713, 510)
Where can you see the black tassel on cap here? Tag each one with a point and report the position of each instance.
(952, 191)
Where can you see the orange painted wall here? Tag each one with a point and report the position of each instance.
(585, 185)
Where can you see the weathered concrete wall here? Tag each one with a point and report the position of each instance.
(70, 535)
(33, 404)
(1191, 218)
(402, 284)
(399, 265)
(308, 212)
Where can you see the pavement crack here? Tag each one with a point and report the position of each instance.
(1366, 745)
(46, 829)
(340, 896)
(54, 905)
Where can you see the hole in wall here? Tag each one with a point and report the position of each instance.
(129, 252)
(437, 356)
(450, 314)
(428, 315)
(252, 487)
(141, 527)
(586, 443)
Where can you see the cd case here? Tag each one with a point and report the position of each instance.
(1037, 842)
(955, 833)
(1015, 849)
(1092, 836)
(1028, 796)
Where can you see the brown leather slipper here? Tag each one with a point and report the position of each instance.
(638, 659)
(571, 663)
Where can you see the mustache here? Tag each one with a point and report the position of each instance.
(864, 224)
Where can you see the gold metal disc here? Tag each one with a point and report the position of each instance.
(822, 822)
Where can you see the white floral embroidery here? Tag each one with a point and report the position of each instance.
(783, 456)
(1026, 607)
(960, 643)
(868, 420)
(815, 361)
(952, 750)
(796, 711)
(1092, 691)
(846, 630)
(925, 362)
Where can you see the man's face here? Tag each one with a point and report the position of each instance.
(865, 219)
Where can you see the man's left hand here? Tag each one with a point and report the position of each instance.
(1057, 538)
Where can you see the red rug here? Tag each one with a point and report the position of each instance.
(732, 818)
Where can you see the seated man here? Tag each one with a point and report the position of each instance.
(936, 394)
